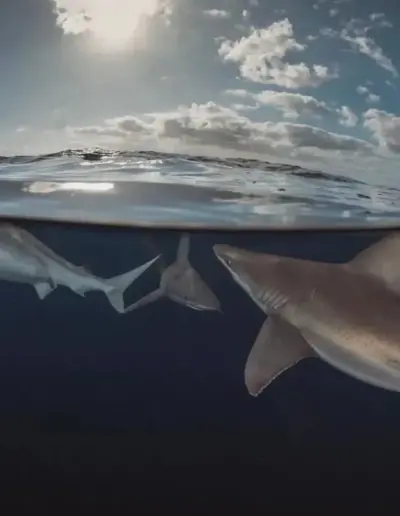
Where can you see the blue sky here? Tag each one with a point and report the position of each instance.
(312, 82)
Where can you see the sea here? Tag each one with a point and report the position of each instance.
(154, 188)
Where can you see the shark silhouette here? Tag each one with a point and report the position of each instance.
(25, 259)
(346, 314)
(181, 283)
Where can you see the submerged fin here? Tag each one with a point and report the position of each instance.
(146, 300)
(182, 255)
(121, 282)
(184, 285)
(43, 289)
(381, 260)
(278, 347)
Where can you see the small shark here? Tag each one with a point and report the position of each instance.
(346, 314)
(25, 259)
(181, 283)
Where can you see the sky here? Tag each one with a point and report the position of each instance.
(313, 83)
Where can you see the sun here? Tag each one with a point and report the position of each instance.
(112, 24)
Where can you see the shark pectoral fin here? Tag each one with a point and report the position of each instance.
(382, 261)
(43, 289)
(182, 255)
(278, 347)
(146, 300)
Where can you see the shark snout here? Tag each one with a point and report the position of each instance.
(225, 253)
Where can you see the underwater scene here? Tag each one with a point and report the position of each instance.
(198, 361)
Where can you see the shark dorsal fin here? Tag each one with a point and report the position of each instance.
(381, 260)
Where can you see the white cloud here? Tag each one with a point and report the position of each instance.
(366, 45)
(356, 33)
(244, 107)
(385, 128)
(333, 12)
(260, 58)
(213, 126)
(381, 20)
(239, 93)
(293, 104)
(370, 97)
(362, 90)
(217, 13)
(347, 117)
(373, 98)
(114, 23)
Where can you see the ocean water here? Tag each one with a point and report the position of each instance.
(153, 188)
(151, 402)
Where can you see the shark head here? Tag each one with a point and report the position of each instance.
(247, 269)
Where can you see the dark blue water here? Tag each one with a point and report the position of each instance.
(119, 410)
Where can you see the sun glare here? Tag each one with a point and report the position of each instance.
(112, 24)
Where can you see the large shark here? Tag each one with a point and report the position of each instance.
(346, 314)
(25, 259)
(181, 283)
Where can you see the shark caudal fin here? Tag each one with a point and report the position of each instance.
(146, 300)
(116, 286)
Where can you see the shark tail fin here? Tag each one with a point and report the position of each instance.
(117, 285)
(146, 300)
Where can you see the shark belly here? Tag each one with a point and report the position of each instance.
(367, 370)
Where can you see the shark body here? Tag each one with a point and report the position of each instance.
(346, 314)
(25, 259)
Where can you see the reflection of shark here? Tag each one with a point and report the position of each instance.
(181, 283)
(25, 259)
(346, 314)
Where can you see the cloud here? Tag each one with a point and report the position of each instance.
(244, 107)
(385, 128)
(118, 127)
(366, 45)
(217, 13)
(112, 22)
(239, 93)
(381, 20)
(356, 33)
(211, 125)
(260, 58)
(293, 104)
(333, 12)
(347, 117)
(370, 97)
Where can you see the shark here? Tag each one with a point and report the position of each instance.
(346, 314)
(25, 259)
(181, 283)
